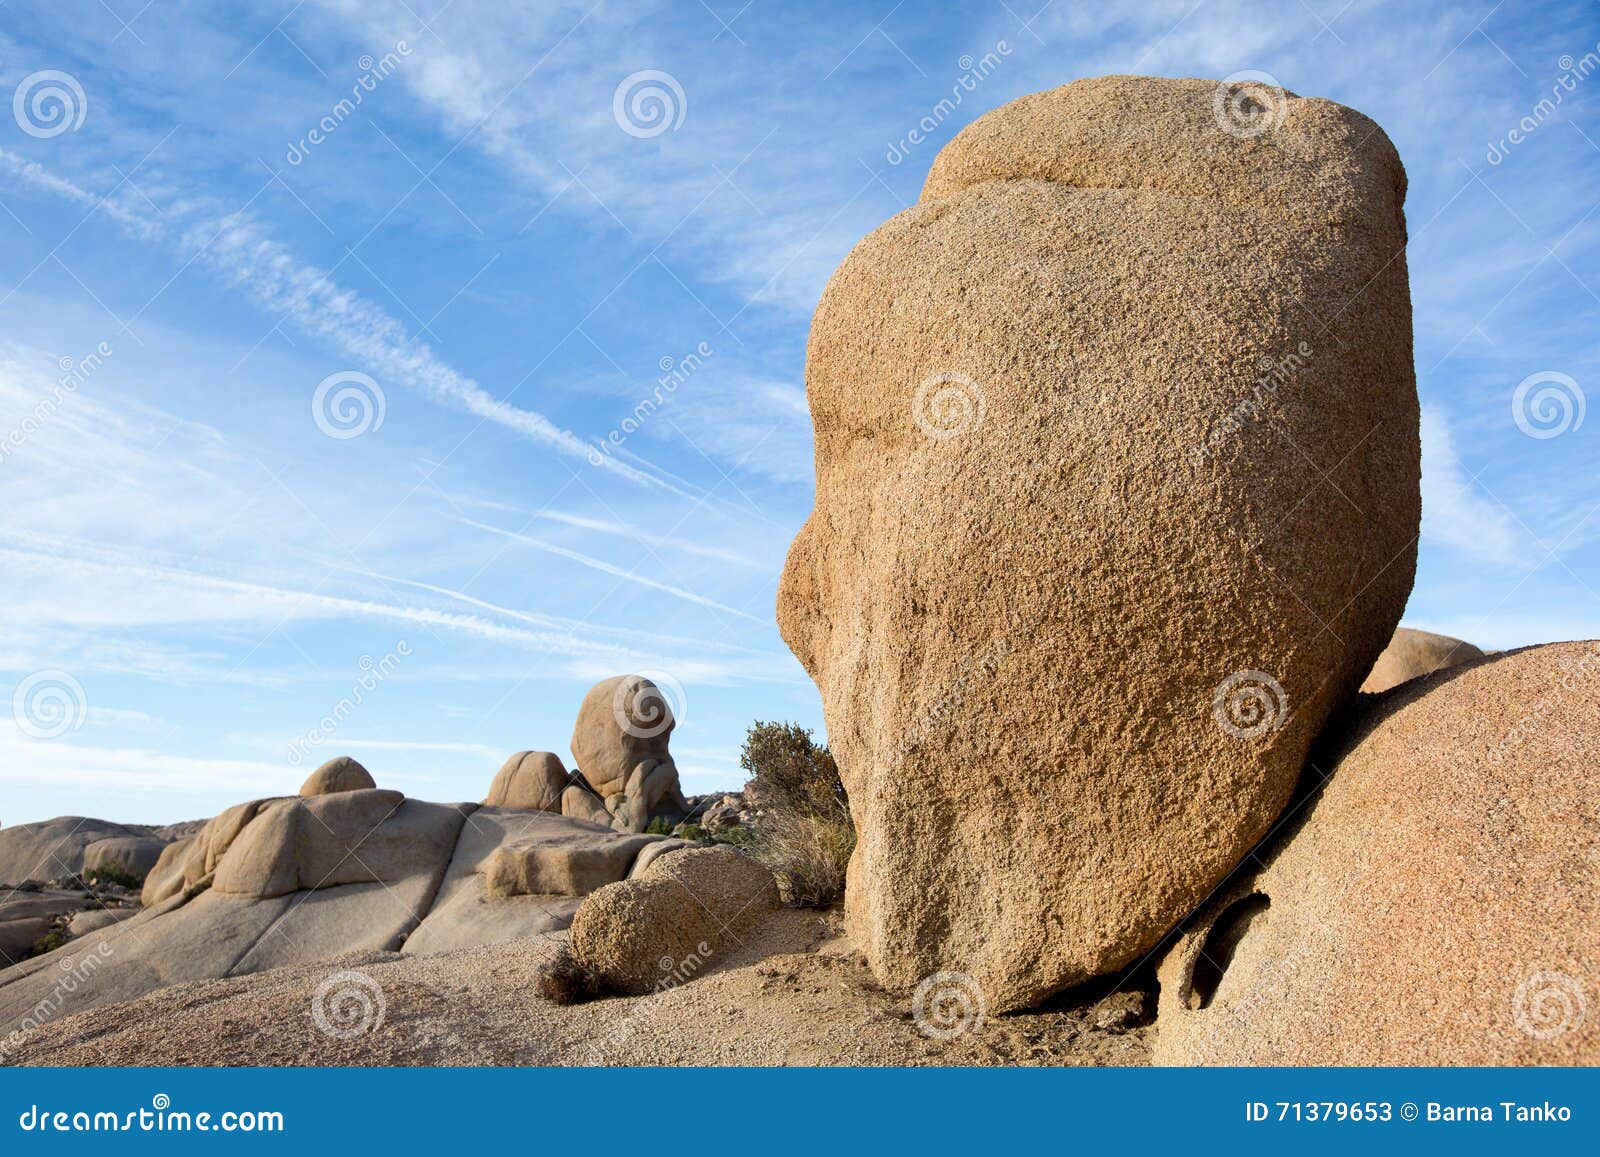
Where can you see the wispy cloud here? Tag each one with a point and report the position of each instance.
(240, 251)
(1454, 513)
(612, 569)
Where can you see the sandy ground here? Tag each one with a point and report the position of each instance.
(794, 994)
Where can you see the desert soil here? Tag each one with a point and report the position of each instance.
(793, 994)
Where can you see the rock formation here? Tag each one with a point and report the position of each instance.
(530, 779)
(339, 774)
(668, 923)
(61, 848)
(620, 743)
(1435, 902)
(275, 882)
(1117, 495)
(1413, 654)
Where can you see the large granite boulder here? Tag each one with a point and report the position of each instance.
(1435, 902)
(669, 923)
(1117, 495)
(620, 743)
(1413, 654)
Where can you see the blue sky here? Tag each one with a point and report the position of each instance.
(511, 254)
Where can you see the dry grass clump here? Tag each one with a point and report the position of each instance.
(808, 853)
(566, 980)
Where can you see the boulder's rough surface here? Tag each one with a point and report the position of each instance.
(350, 837)
(1413, 654)
(339, 774)
(620, 743)
(569, 864)
(94, 919)
(1117, 495)
(132, 856)
(1435, 902)
(669, 923)
(165, 880)
(579, 803)
(467, 914)
(54, 849)
(530, 779)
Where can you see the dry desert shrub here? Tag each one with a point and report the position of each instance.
(567, 981)
(803, 831)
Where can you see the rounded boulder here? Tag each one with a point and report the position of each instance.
(1116, 438)
(1434, 901)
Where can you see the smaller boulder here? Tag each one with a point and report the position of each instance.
(1413, 654)
(668, 924)
(132, 856)
(580, 803)
(340, 774)
(722, 814)
(535, 780)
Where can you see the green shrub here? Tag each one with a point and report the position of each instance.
(51, 940)
(111, 874)
(790, 773)
(803, 830)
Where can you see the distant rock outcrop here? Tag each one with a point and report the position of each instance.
(299, 879)
(1436, 902)
(1117, 496)
(1413, 654)
(69, 845)
(339, 774)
